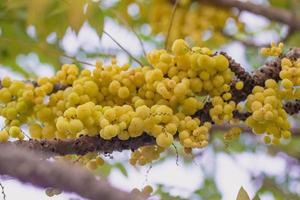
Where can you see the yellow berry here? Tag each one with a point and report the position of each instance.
(123, 92)
(75, 125)
(286, 134)
(239, 85)
(271, 83)
(14, 131)
(287, 84)
(114, 87)
(222, 62)
(35, 131)
(227, 96)
(267, 140)
(4, 136)
(109, 132)
(136, 127)
(256, 105)
(147, 190)
(179, 47)
(164, 140)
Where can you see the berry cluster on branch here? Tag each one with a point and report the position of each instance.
(113, 108)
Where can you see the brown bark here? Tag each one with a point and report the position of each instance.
(272, 13)
(270, 70)
(83, 145)
(29, 168)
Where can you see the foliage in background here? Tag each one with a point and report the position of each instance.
(23, 31)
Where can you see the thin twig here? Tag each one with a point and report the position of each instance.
(250, 43)
(126, 51)
(147, 174)
(171, 23)
(134, 32)
(2, 191)
(176, 151)
(274, 14)
(47, 51)
(76, 60)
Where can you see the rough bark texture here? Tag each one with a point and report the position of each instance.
(292, 107)
(241, 74)
(84, 144)
(28, 167)
(270, 70)
(272, 13)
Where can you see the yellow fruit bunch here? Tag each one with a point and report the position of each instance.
(118, 101)
(290, 75)
(161, 100)
(268, 115)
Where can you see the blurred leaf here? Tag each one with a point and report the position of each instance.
(242, 195)
(104, 170)
(165, 195)
(294, 40)
(96, 18)
(76, 13)
(13, 4)
(292, 148)
(121, 168)
(256, 197)
(253, 58)
(279, 191)
(209, 190)
(15, 67)
(36, 8)
(280, 3)
(44, 18)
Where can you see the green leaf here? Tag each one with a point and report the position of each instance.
(164, 193)
(121, 168)
(104, 170)
(256, 197)
(253, 57)
(209, 190)
(294, 40)
(280, 3)
(76, 14)
(96, 17)
(242, 195)
(15, 67)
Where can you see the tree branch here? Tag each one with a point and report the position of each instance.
(270, 70)
(28, 167)
(83, 145)
(86, 144)
(292, 107)
(171, 23)
(253, 44)
(272, 13)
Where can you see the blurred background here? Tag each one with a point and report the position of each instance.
(38, 36)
